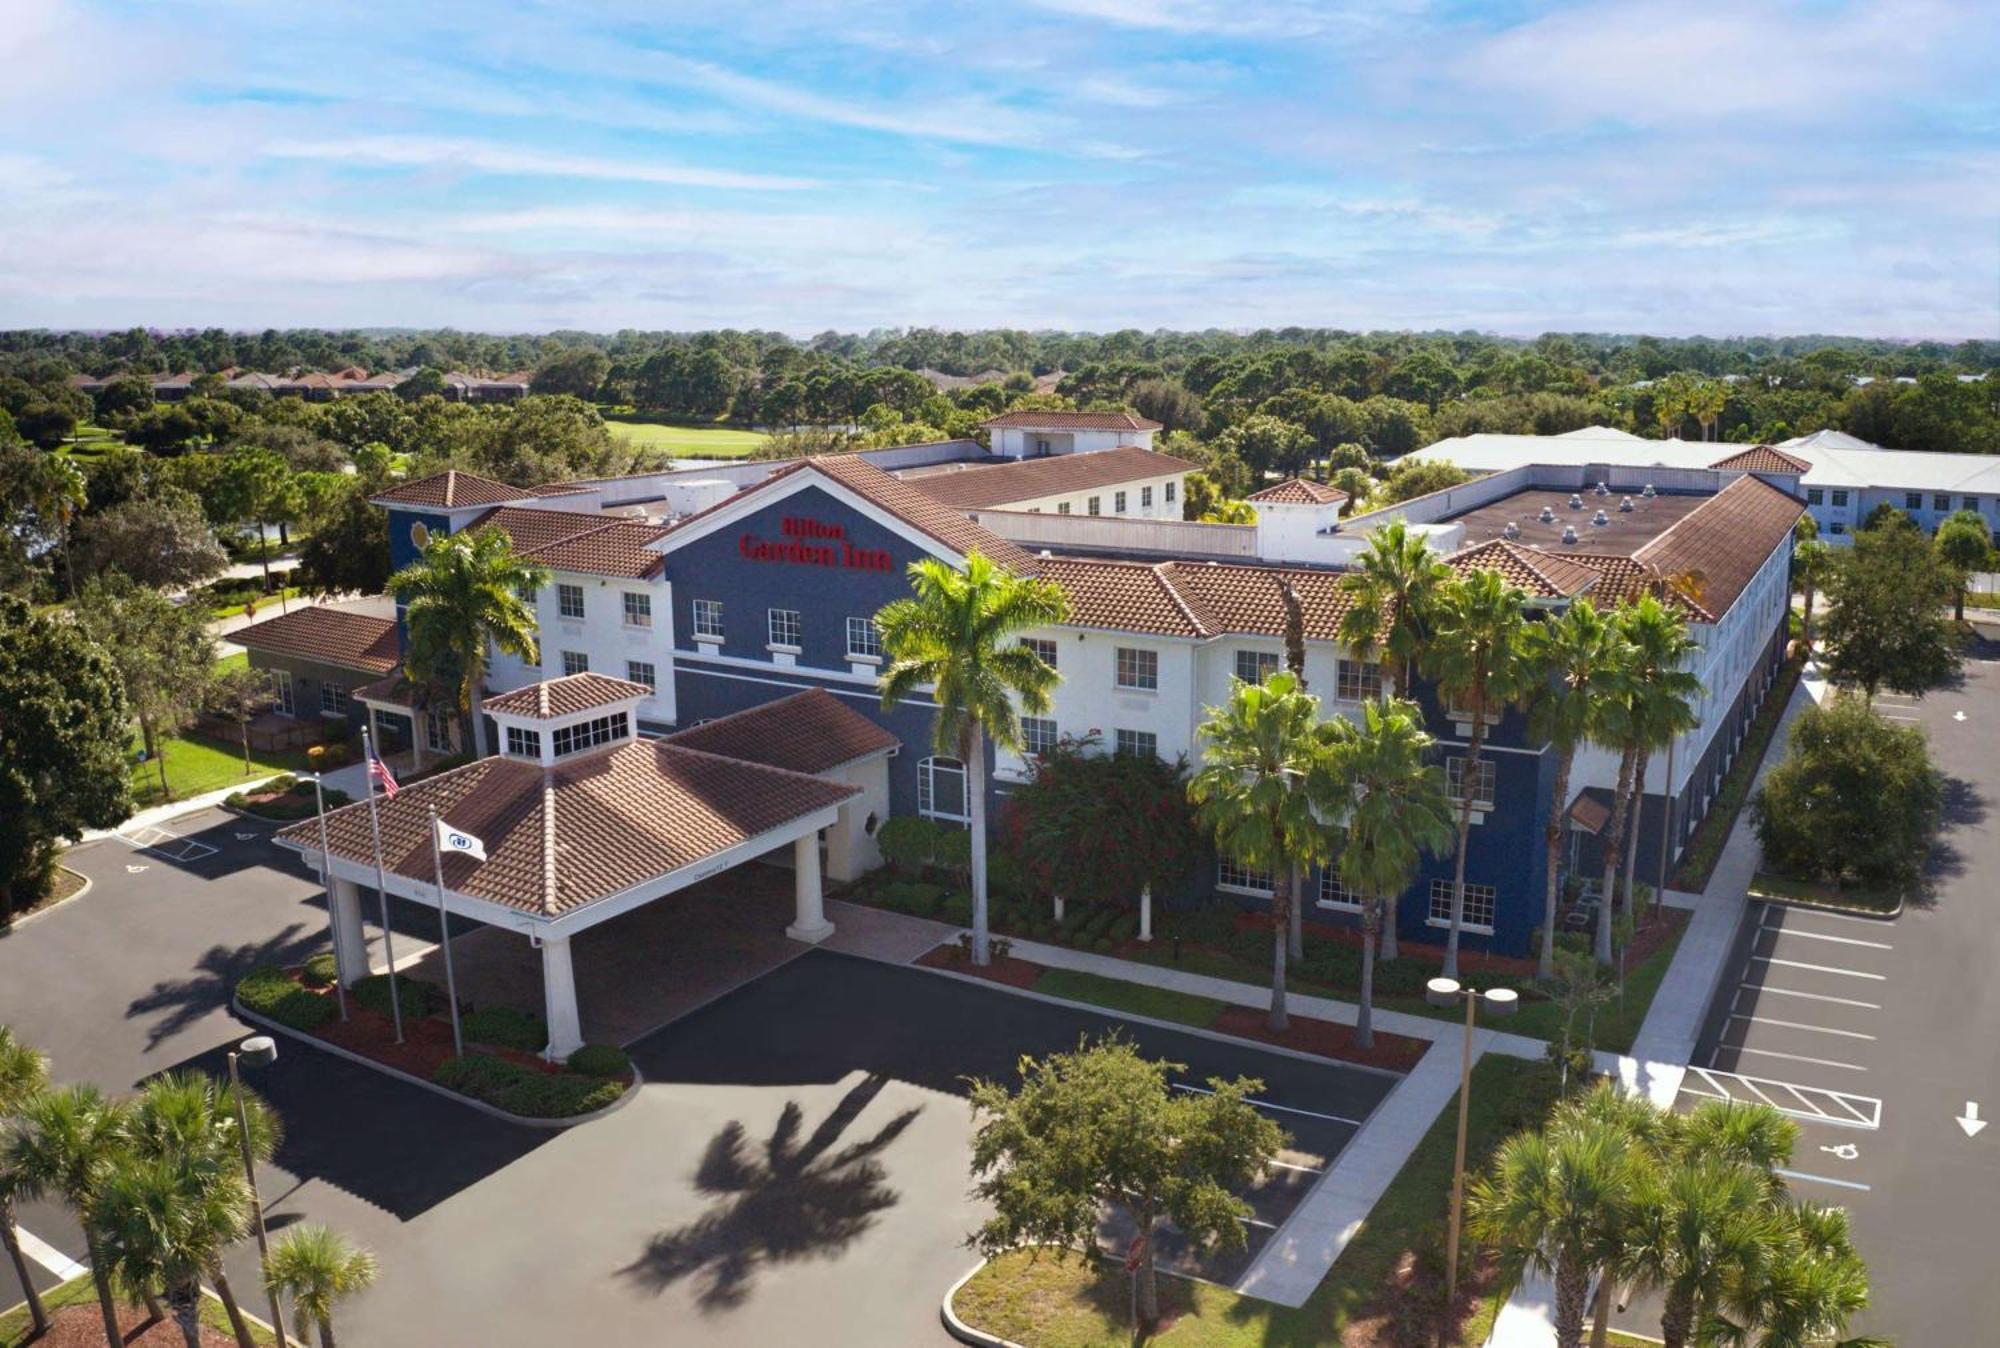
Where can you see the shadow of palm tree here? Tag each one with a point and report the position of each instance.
(795, 1200)
(181, 1002)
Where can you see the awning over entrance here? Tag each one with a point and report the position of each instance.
(1591, 810)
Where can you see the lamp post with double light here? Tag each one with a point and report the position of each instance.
(1444, 993)
(257, 1051)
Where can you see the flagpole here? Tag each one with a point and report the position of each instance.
(444, 938)
(381, 884)
(340, 965)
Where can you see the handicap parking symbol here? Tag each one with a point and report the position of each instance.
(1846, 1151)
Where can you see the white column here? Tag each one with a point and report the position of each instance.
(559, 999)
(350, 944)
(840, 844)
(810, 922)
(1146, 913)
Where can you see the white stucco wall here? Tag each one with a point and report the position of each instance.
(602, 636)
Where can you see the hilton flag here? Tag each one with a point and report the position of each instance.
(460, 842)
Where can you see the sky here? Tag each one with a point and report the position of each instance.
(1665, 166)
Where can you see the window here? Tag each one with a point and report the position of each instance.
(1136, 743)
(1358, 681)
(1138, 669)
(642, 671)
(784, 625)
(569, 601)
(572, 739)
(1172, 489)
(1814, 496)
(1836, 528)
(1096, 505)
(1118, 503)
(1971, 503)
(1256, 666)
(1038, 735)
(1062, 507)
(524, 743)
(638, 609)
(1044, 649)
(437, 729)
(332, 698)
(1145, 498)
(1941, 501)
(281, 689)
(1840, 500)
(1484, 780)
(575, 662)
(1477, 914)
(864, 639)
(941, 790)
(1913, 500)
(528, 593)
(708, 618)
(1232, 874)
(1333, 894)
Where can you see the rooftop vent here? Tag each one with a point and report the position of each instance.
(1548, 515)
(1603, 490)
(1575, 501)
(1625, 506)
(1569, 534)
(1512, 530)
(1600, 519)
(1047, 553)
(1649, 493)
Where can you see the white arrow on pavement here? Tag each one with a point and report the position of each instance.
(1958, 716)
(1970, 1120)
(134, 870)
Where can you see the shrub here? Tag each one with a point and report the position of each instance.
(418, 997)
(480, 1077)
(1211, 924)
(1104, 945)
(267, 992)
(1126, 927)
(957, 909)
(910, 844)
(600, 1060)
(505, 1027)
(525, 1091)
(321, 970)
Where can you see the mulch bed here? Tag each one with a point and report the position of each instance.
(83, 1327)
(1015, 973)
(1469, 961)
(426, 1039)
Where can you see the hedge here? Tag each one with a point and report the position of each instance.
(600, 1060)
(524, 1091)
(321, 971)
(266, 991)
(418, 997)
(504, 1027)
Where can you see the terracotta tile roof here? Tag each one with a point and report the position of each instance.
(1722, 544)
(450, 489)
(1544, 575)
(1073, 421)
(566, 696)
(1764, 459)
(532, 528)
(1196, 599)
(914, 507)
(565, 488)
(1125, 596)
(810, 732)
(591, 827)
(614, 548)
(396, 690)
(1299, 491)
(1624, 580)
(986, 487)
(329, 635)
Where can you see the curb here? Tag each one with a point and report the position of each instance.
(17, 923)
(960, 1330)
(1865, 914)
(553, 1125)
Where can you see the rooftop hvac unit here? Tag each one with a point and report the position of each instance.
(1569, 534)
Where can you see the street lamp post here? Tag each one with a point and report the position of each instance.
(258, 1051)
(1444, 992)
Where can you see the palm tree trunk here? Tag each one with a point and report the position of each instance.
(1632, 828)
(1572, 1292)
(106, 1306)
(1600, 1328)
(1296, 929)
(12, 1240)
(1613, 847)
(1546, 967)
(187, 1314)
(477, 718)
(1281, 902)
(1364, 1018)
(975, 808)
(237, 1324)
(1806, 632)
(326, 1334)
(1677, 1320)
(154, 1310)
(1389, 911)
(1468, 785)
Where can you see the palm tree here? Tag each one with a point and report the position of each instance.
(1556, 1202)
(1660, 699)
(1475, 656)
(1701, 1228)
(162, 1222)
(316, 1267)
(1256, 792)
(462, 596)
(190, 1118)
(24, 1074)
(1395, 582)
(65, 1144)
(1801, 1293)
(1576, 662)
(1397, 813)
(1811, 560)
(959, 636)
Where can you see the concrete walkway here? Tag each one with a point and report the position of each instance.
(160, 815)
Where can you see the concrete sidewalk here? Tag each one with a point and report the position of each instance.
(160, 815)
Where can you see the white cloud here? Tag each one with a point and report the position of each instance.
(473, 156)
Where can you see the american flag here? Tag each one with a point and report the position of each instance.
(379, 770)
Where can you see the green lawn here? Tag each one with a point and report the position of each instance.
(196, 765)
(684, 441)
(1182, 1008)
(15, 1324)
(1045, 1304)
(1704, 849)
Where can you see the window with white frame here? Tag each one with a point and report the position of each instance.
(941, 790)
(1138, 668)
(1358, 681)
(437, 729)
(1118, 503)
(1840, 499)
(784, 626)
(708, 618)
(523, 743)
(638, 609)
(864, 639)
(1484, 780)
(1970, 503)
(1136, 743)
(1171, 492)
(1234, 875)
(569, 601)
(1062, 507)
(1836, 528)
(575, 662)
(1478, 912)
(1145, 498)
(1044, 649)
(1333, 894)
(1256, 666)
(1941, 501)
(332, 698)
(642, 671)
(1913, 500)
(528, 594)
(572, 739)
(1814, 496)
(1095, 505)
(1038, 734)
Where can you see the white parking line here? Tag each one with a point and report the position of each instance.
(1798, 1057)
(1283, 1109)
(1823, 936)
(1816, 914)
(1813, 996)
(48, 1256)
(1799, 1025)
(1824, 1179)
(1818, 968)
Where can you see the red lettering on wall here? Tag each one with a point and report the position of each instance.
(794, 551)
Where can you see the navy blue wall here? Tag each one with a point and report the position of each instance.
(402, 549)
